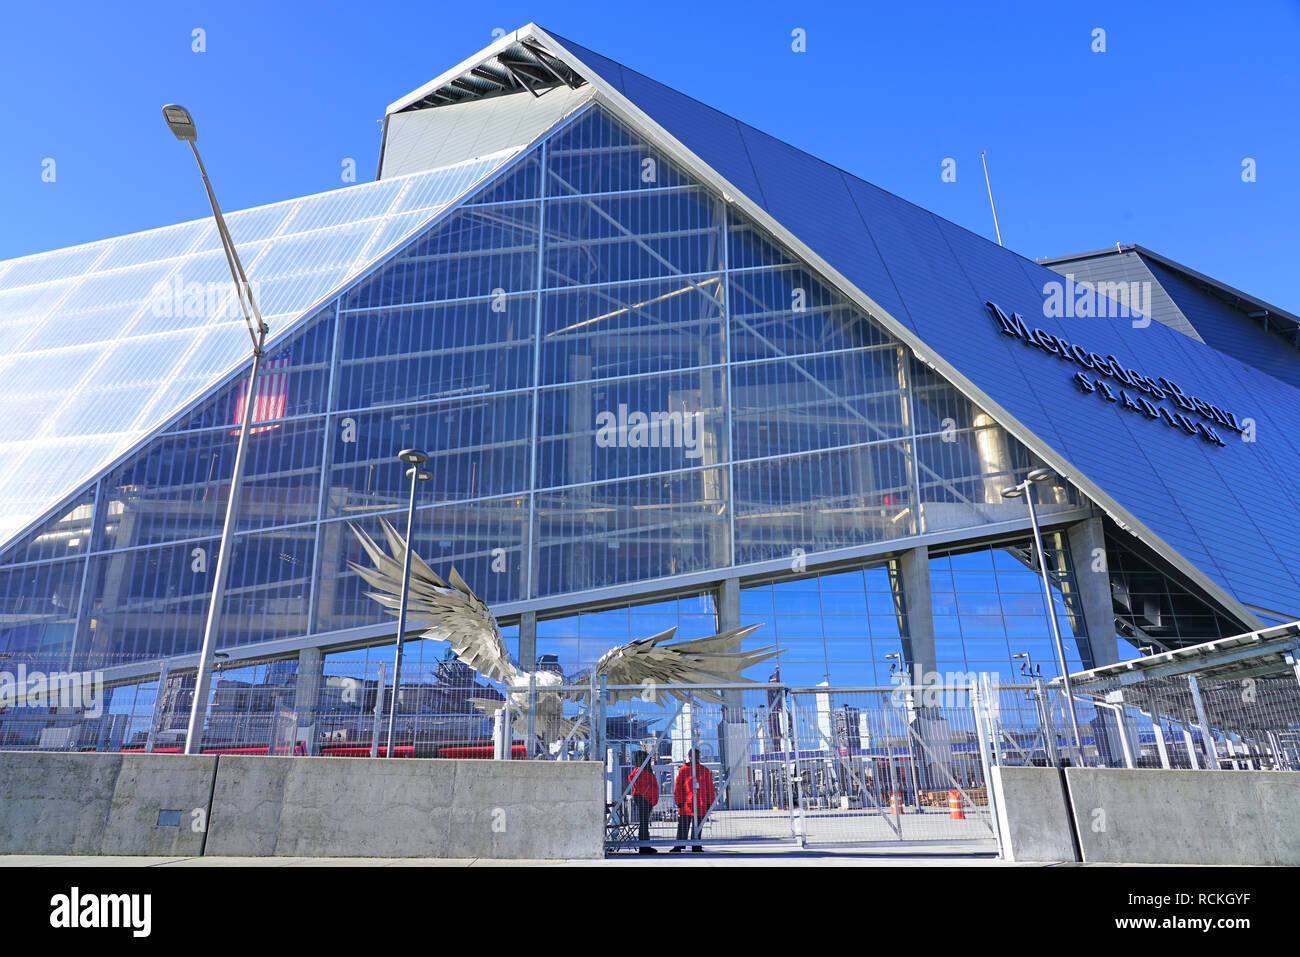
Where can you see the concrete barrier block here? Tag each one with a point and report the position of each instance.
(1033, 814)
(148, 784)
(55, 802)
(1279, 803)
(1185, 817)
(527, 809)
(59, 803)
(365, 807)
(246, 802)
(359, 807)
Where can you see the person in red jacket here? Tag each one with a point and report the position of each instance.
(645, 795)
(693, 793)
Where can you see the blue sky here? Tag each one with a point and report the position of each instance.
(1142, 143)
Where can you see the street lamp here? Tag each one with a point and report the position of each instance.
(1016, 491)
(414, 458)
(1028, 672)
(181, 124)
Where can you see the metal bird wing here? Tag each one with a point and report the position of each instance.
(653, 663)
(455, 613)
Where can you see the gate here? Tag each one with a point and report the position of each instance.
(821, 766)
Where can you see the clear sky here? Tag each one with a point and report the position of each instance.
(1143, 142)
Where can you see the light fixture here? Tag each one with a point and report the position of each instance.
(414, 458)
(180, 122)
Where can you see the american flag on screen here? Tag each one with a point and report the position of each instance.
(272, 392)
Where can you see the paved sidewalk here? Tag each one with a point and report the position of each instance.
(900, 856)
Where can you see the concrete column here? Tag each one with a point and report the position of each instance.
(918, 641)
(734, 731)
(306, 695)
(528, 640)
(1091, 576)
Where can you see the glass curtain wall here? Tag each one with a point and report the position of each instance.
(619, 379)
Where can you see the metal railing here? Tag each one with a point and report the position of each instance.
(841, 749)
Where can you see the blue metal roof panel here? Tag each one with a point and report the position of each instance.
(1228, 329)
(1217, 507)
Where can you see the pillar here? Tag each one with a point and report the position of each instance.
(1092, 578)
(528, 641)
(306, 695)
(918, 639)
(734, 731)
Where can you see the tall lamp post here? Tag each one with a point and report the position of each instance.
(1025, 489)
(181, 124)
(414, 458)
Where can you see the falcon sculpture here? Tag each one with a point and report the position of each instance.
(461, 618)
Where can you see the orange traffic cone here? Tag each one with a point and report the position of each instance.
(955, 813)
(895, 803)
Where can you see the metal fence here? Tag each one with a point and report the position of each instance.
(1187, 721)
(816, 765)
(820, 765)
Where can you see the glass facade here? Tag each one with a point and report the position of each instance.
(619, 380)
(988, 608)
(106, 342)
(849, 627)
(840, 627)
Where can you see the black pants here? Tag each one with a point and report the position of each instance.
(689, 826)
(643, 809)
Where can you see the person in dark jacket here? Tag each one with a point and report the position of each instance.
(693, 793)
(645, 795)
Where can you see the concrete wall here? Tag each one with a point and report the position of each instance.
(1186, 817)
(1033, 814)
(362, 807)
(60, 803)
(1149, 816)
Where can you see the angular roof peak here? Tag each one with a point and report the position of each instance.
(524, 61)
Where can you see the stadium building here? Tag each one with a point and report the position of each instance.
(670, 371)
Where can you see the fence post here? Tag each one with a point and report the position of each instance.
(379, 710)
(909, 709)
(1120, 715)
(1045, 719)
(1190, 744)
(598, 731)
(983, 732)
(1207, 736)
(156, 718)
(504, 748)
(796, 792)
(895, 806)
(530, 726)
(1158, 726)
